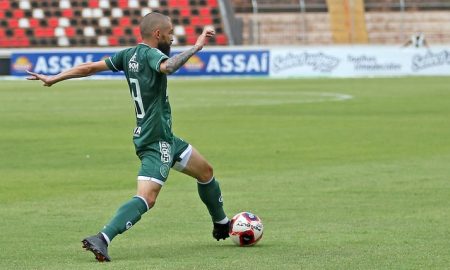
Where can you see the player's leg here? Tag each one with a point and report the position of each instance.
(126, 216)
(152, 176)
(192, 163)
(131, 211)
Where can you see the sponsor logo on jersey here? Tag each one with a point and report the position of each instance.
(133, 65)
(164, 149)
(137, 131)
(22, 63)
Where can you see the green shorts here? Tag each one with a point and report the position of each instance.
(161, 156)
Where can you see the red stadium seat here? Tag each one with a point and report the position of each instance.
(123, 3)
(189, 30)
(33, 23)
(53, 22)
(19, 33)
(206, 20)
(185, 12)
(93, 3)
(113, 41)
(206, 12)
(70, 31)
(13, 23)
(125, 21)
(137, 32)
(221, 39)
(44, 32)
(4, 5)
(18, 13)
(68, 13)
(212, 3)
(118, 31)
(37, 25)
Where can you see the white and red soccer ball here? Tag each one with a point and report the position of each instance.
(246, 229)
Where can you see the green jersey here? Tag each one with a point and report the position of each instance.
(148, 89)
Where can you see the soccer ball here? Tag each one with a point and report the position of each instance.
(246, 229)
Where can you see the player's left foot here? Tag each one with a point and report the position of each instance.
(221, 231)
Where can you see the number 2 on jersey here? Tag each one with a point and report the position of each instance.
(136, 95)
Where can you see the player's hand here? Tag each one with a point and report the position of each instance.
(208, 32)
(39, 77)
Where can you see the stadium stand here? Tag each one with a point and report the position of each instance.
(64, 23)
(108, 23)
(273, 22)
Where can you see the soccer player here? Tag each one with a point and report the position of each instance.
(146, 67)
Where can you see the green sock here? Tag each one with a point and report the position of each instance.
(127, 215)
(212, 198)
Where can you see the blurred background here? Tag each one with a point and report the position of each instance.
(34, 26)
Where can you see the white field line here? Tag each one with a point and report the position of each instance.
(265, 98)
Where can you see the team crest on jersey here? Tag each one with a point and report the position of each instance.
(164, 170)
(133, 64)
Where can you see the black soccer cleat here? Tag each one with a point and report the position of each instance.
(97, 245)
(221, 231)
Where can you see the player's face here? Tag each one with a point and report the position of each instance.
(166, 39)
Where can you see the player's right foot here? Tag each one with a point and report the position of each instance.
(221, 231)
(97, 245)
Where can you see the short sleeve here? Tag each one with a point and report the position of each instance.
(115, 62)
(155, 57)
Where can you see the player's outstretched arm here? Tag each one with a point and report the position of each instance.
(83, 70)
(175, 62)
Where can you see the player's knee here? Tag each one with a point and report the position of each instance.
(150, 200)
(206, 174)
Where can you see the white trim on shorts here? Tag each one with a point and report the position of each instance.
(185, 156)
(148, 178)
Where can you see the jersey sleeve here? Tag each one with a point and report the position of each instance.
(155, 57)
(115, 62)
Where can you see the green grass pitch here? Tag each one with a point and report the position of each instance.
(345, 174)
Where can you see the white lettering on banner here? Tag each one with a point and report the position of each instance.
(229, 63)
(56, 64)
(370, 63)
(430, 59)
(318, 61)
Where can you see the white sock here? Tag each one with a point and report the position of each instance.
(223, 221)
(106, 238)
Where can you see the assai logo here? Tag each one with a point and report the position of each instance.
(22, 63)
(60, 62)
(194, 63)
(238, 63)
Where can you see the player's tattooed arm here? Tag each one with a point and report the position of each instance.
(175, 62)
